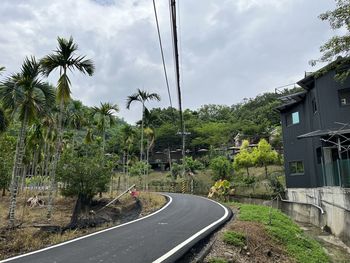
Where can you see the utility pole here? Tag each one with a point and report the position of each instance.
(172, 4)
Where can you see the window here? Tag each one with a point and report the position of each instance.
(293, 118)
(296, 167)
(314, 105)
(344, 96)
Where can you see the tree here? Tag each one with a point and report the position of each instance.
(84, 174)
(128, 138)
(221, 168)
(337, 45)
(105, 118)
(263, 155)
(7, 146)
(142, 97)
(192, 165)
(28, 95)
(65, 60)
(244, 159)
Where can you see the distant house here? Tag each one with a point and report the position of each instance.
(316, 132)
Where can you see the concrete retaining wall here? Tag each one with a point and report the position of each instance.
(335, 202)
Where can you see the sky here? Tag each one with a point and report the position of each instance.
(229, 50)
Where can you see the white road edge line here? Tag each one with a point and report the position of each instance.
(92, 234)
(187, 241)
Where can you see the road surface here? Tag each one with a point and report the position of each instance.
(163, 236)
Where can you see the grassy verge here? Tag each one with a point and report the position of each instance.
(285, 232)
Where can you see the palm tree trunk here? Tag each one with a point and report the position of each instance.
(141, 148)
(147, 160)
(16, 168)
(55, 161)
(103, 142)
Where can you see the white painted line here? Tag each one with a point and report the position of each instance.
(92, 234)
(187, 241)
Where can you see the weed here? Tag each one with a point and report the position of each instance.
(234, 238)
(286, 232)
(217, 260)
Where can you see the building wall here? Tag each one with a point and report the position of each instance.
(330, 109)
(335, 202)
(298, 150)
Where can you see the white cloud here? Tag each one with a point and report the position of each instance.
(229, 49)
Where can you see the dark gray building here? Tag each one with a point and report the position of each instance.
(316, 132)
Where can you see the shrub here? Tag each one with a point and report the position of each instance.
(222, 168)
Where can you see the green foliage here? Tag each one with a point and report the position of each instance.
(26, 93)
(176, 170)
(220, 189)
(64, 58)
(139, 168)
(234, 238)
(298, 245)
(193, 165)
(83, 171)
(263, 155)
(221, 167)
(3, 121)
(337, 45)
(276, 185)
(212, 134)
(7, 146)
(244, 159)
(217, 260)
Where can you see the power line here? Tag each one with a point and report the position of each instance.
(162, 53)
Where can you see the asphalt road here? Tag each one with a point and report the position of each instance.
(163, 236)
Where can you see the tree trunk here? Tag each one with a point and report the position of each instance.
(16, 168)
(141, 148)
(265, 170)
(55, 162)
(247, 170)
(103, 140)
(80, 207)
(147, 160)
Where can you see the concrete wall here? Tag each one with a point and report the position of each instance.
(335, 202)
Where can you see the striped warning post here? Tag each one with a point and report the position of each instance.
(183, 185)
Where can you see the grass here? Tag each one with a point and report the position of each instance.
(286, 232)
(234, 238)
(217, 260)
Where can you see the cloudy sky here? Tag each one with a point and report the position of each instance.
(230, 49)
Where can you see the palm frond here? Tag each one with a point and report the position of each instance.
(131, 99)
(63, 89)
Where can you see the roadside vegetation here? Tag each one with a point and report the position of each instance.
(264, 234)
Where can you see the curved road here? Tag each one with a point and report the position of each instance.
(163, 236)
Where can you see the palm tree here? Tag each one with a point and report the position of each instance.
(150, 142)
(141, 96)
(28, 95)
(104, 113)
(64, 59)
(128, 138)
